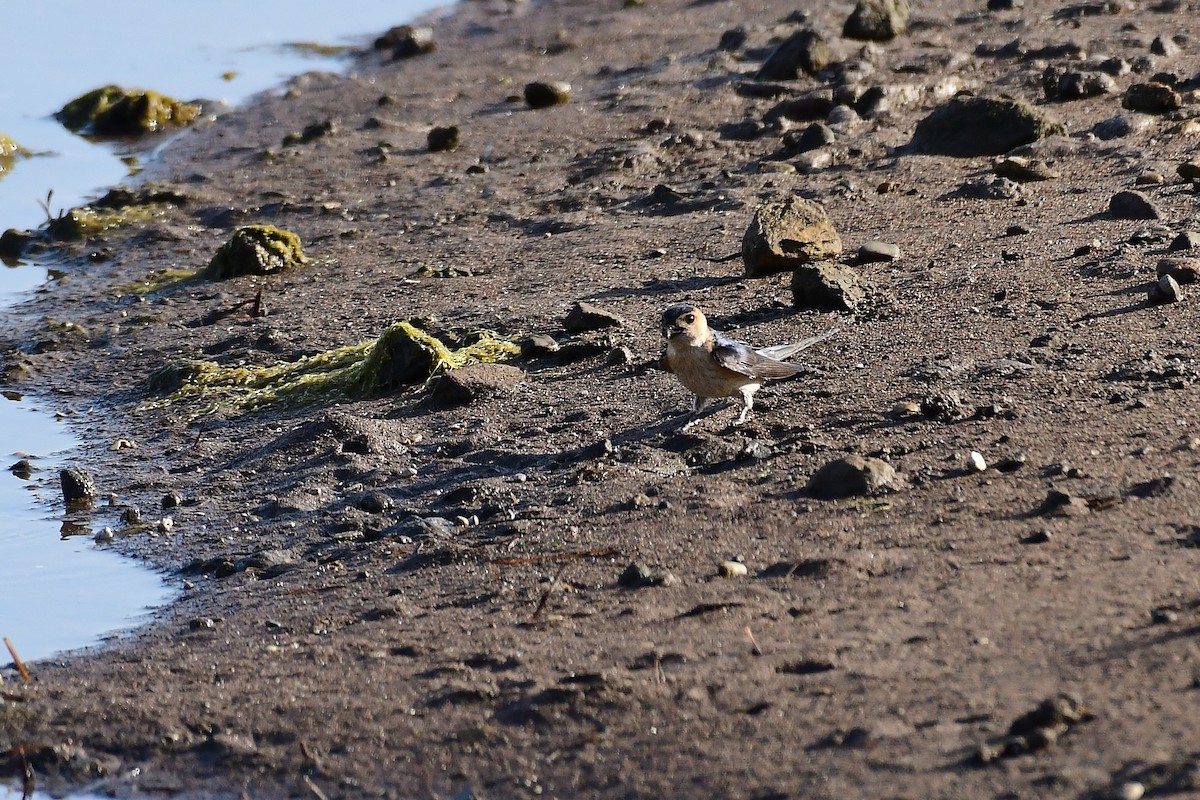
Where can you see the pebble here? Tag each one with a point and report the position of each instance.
(1188, 240)
(852, 476)
(829, 287)
(443, 140)
(1130, 790)
(544, 94)
(1189, 170)
(77, 485)
(1113, 128)
(166, 524)
(803, 53)
(132, 515)
(786, 234)
(732, 569)
(1183, 270)
(1164, 616)
(1166, 290)
(589, 317)
(1151, 98)
(976, 461)
(877, 20)
(104, 536)
(876, 250)
(171, 500)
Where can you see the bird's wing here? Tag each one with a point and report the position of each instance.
(741, 359)
(782, 351)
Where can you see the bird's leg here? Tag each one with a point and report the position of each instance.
(698, 405)
(747, 404)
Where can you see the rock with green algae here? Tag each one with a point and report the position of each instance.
(256, 250)
(403, 355)
(113, 111)
(9, 152)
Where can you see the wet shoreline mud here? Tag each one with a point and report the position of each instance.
(955, 557)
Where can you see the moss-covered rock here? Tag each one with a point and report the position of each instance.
(113, 111)
(10, 151)
(256, 250)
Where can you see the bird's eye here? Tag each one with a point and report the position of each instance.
(689, 319)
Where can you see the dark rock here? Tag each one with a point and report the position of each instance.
(132, 515)
(1166, 290)
(1188, 240)
(1132, 205)
(816, 135)
(1074, 85)
(406, 41)
(77, 485)
(1113, 128)
(1151, 98)
(1023, 170)
(988, 187)
(980, 126)
(827, 287)
(310, 133)
(13, 243)
(23, 469)
(443, 140)
(638, 575)
(1183, 270)
(804, 52)
(1189, 170)
(877, 20)
(589, 317)
(475, 381)
(543, 94)
(1005, 5)
(1164, 46)
(171, 500)
(787, 234)
(374, 503)
(732, 39)
(807, 108)
(852, 476)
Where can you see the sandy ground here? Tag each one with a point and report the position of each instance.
(400, 597)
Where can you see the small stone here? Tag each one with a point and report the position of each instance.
(1189, 170)
(475, 382)
(1167, 290)
(1164, 46)
(132, 515)
(876, 250)
(589, 317)
(105, 536)
(544, 94)
(1023, 170)
(165, 525)
(77, 485)
(852, 476)
(619, 357)
(803, 53)
(1113, 128)
(877, 20)
(1188, 240)
(989, 187)
(637, 575)
(1150, 178)
(406, 41)
(171, 500)
(1183, 270)
(976, 462)
(1132, 205)
(1058, 84)
(732, 569)
(1005, 5)
(538, 344)
(905, 408)
(1164, 616)
(1130, 790)
(1151, 98)
(816, 135)
(443, 140)
(1037, 537)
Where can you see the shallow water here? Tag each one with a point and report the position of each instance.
(65, 592)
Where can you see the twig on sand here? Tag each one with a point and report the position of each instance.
(754, 648)
(17, 662)
(316, 790)
(541, 606)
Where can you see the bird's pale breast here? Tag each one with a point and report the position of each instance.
(696, 369)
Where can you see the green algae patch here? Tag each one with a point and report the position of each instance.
(10, 151)
(256, 250)
(113, 111)
(404, 355)
(158, 280)
(88, 221)
(318, 49)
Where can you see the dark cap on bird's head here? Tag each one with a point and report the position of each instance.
(673, 319)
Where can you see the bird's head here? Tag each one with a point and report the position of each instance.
(684, 320)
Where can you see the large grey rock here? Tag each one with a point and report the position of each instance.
(826, 287)
(1133, 205)
(589, 317)
(982, 126)
(852, 476)
(788, 234)
(877, 20)
(804, 52)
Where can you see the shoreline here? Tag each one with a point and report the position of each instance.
(397, 596)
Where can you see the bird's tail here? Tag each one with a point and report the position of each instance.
(782, 351)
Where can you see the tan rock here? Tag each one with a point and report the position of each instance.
(786, 235)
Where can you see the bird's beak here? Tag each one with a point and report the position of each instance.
(669, 329)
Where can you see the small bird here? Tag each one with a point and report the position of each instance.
(712, 365)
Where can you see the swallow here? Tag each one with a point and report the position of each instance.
(711, 365)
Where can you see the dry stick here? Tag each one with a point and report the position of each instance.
(541, 606)
(754, 648)
(316, 790)
(20, 665)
